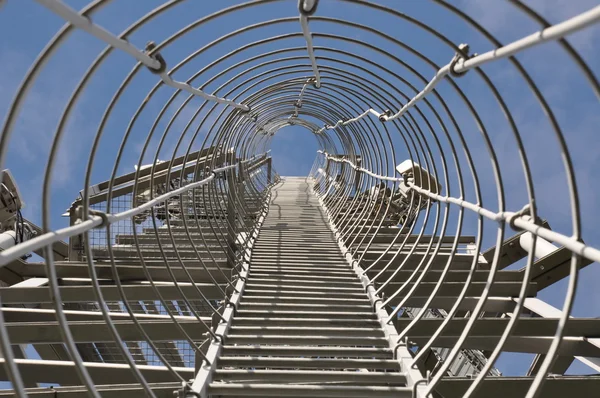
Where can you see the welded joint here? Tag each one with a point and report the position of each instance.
(463, 54)
(150, 50)
(204, 375)
(219, 338)
(307, 7)
(525, 211)
(383, 117)
(186, 391)
(417, 383)
(404, 359)
(367, 284)
(348, 255)
(377, 300)
(216, 338)
(248, 109)
(401, 343)
(101, 214)
(228, 302)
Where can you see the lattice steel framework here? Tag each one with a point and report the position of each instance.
(208, 274)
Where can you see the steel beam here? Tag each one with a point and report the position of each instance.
(32, 295)
(12, 314)
(502, 387)
(48, 332)
(134, 272)
(161, 390)
(63, 372)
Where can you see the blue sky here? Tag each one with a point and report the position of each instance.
(25, 27)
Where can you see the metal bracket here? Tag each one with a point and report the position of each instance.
(186, 391)
(385, 115)
(463, 54)
(309, 12)
(510, 250)
(150, 46)
(100, 214)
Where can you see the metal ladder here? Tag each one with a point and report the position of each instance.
(304, 326)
